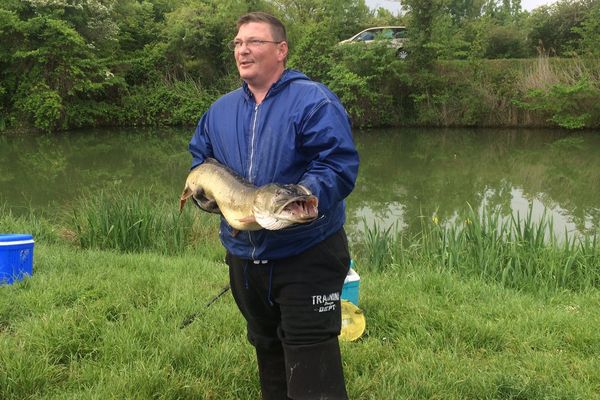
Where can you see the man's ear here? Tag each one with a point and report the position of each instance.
(283, 50)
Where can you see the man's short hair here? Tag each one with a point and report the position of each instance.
(277, 27)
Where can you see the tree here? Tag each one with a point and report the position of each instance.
(555, 28)
(54, 66)
(589, 32)
(422, 15)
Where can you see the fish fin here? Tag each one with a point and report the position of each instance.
(187, 192)
(248, 219)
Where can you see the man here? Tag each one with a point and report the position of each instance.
(282, 127)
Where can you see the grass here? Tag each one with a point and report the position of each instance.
(517, 252)
(134, 222)
(104, 323)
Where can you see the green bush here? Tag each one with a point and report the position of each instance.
(43, 106)
(371, 82)
(313, 53)
(570, 106)
(177, 103)
(505, 42)
(590, 32)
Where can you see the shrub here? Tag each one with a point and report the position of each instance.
(43, 106)
(566, 93)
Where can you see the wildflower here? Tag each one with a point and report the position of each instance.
(435, 220)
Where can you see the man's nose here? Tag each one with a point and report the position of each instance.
(243, 48)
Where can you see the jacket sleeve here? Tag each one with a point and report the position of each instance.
(200, 145)
(327, 141)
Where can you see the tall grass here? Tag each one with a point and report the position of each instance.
(39, 227)
(518, 252)
(138, 222)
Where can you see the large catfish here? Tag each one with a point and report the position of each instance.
(217, 189)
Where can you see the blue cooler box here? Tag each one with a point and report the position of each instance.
(351, 286)
(16, 257)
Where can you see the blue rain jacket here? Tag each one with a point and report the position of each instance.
(300, 134)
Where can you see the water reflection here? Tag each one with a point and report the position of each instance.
(414, 173)
(404, 174)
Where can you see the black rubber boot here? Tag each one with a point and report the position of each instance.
(314, 372)
(271, 372)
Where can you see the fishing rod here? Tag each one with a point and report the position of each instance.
(192, 317)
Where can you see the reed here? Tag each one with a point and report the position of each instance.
(518, 252)
(376, 245)
(137, 222)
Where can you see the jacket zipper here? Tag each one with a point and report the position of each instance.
(251, 164)
(252, 139)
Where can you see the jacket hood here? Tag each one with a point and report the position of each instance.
(286, 78)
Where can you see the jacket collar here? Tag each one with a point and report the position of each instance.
(284, 80)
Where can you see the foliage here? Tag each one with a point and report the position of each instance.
(370, 81)
(570, 106)
(565, 93)
(516, 252)
(505, 42)
(590, 32)
(175, 103)
(313, 54)
(91, 63)
(421, 21)
(196, 45)
(556, 27)
(40, 228)
(342, 18)
(43, 105)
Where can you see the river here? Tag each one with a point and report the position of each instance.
(405, 174)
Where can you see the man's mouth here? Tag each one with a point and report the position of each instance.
(245, 63)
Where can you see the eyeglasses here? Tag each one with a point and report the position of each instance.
(251, 43)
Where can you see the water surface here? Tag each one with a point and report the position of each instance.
(405, 174)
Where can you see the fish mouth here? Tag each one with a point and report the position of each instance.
(301, 209)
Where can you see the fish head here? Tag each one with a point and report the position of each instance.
(279, 206)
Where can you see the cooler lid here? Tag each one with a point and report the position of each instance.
(8, 239)
(352, 276)
(353, 322)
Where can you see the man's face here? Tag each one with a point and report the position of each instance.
(261, 65)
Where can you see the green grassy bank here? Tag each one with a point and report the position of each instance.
(95, 322)
(101, 324)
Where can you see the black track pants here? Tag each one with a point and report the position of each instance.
(293, 301)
